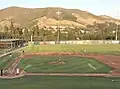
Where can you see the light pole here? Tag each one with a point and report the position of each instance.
(31, 33)
(116, 37)
(31, 37)
(23, 31)
(58, 28)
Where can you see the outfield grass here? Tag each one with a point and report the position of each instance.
(52, 82)
(98, 48)
(73, 64)
(6, 59)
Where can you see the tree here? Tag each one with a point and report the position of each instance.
(12, 30)
(19, 32)
(102, 31)
(6, 31)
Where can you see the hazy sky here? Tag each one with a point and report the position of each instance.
(98, 7)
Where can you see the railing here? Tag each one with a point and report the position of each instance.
(81, 42)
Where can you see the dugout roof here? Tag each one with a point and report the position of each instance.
(9, 40)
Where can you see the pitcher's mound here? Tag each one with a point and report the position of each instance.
(57, 63)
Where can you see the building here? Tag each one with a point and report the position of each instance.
(11, 43)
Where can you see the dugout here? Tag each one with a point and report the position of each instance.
(11, 43)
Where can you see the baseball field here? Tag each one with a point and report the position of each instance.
(65, 67)
(64, 64)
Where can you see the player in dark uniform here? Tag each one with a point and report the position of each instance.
(10, 54)
(23, 52)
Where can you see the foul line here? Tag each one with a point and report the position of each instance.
(91, 66)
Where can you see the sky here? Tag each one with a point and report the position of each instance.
(97, 7)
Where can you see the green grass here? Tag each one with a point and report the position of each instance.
(2, 51)
(74, 64)
(52, 82)
(6, 59)
(99, 48)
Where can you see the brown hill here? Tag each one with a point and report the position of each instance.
(47, 16)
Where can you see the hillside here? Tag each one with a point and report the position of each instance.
(47, 16)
